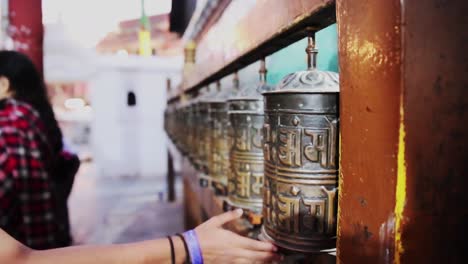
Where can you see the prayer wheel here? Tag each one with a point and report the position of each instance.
(204, 136)
(246, 154)
(220, 138)
(201, 123)
(193, 122)
(187, 138)
(195, 131)
(301, 153)
(190, 118)
(177, 120)
(184, 117)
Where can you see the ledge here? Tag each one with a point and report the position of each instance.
(268, 27)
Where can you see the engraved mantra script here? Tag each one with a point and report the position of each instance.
(244, 186)
(297, 214)
(244, 140)
(219, 156)
(318, 145)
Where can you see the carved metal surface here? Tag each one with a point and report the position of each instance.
(221, 134)
(300, 150)
(194, 131)
(246, 154)
(181, 117)
(188, 112)
(191, 136)
(178, 117)
(219, 158)
(204, 131)
(184, 115)
(201, 129)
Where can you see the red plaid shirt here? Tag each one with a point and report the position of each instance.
(26, 196)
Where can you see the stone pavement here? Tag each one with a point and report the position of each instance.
(120, 210)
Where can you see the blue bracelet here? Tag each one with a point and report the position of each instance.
(193, 247)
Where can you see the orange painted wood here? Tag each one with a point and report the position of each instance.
(435, 81)
(403, 77)
(370, 77)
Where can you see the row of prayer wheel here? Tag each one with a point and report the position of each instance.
(270, 150)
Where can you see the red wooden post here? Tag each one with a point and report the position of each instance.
(404, 132)
(26, 28)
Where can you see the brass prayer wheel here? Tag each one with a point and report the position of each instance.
(301, 153)
(204, 137)
(220, 138)
(193, 131)
(190, 118)
(201, 122)
(211, 104)
(170, 121)
(179, 117)
(184, 117)
(246, 154)
(204, 144)
(194, 122)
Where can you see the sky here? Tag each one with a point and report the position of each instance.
(88, 21)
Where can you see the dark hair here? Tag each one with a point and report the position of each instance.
(28, 86)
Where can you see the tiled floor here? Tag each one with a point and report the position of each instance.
(118, 210)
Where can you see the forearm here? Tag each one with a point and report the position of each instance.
(155, 251)
(218, 246)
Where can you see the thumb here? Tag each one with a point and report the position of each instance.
(224, 218)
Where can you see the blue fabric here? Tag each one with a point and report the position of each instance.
(193, 247)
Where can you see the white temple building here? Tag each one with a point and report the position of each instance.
(125, 140)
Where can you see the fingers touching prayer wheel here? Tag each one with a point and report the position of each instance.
(271, 151)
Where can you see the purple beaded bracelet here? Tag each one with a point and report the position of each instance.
(193, 247)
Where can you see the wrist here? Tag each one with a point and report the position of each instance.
(180, 254)
(194, 248)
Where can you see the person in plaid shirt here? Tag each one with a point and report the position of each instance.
(30, 147)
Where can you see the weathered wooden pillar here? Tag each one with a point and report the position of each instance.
(404, 131)
(26, 29)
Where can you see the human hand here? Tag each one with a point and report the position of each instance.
(219, 245)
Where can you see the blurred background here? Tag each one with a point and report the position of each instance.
(96, 54)
(107, 65)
